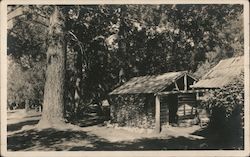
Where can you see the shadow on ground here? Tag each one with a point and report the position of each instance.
(215, 141)
(58, 140)
(50, 139)
(45, 139)
(18, 126)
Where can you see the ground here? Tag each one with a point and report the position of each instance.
(22, 135)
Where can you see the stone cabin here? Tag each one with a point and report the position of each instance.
(153, 101)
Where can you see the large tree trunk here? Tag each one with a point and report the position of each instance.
(53, 105)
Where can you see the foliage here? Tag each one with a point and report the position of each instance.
(25, 84)
(226, 106)
(109, 44)
(26, 42)
(145, 39)
(230, 44)
(26, 39)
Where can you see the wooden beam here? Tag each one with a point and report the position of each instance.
(181, 91)
(157, 114)
(185, 82)
(184, 111)
(176, 86)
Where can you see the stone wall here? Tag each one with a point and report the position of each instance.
(133, 110)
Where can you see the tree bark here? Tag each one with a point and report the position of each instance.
(53, 105)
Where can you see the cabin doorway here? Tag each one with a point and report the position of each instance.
(173, 107)
(168, 111)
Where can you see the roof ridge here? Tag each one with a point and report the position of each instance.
(160, 74)
(153, 83)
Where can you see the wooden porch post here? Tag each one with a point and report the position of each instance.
(157, 114)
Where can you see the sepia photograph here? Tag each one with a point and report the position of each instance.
(136, 77)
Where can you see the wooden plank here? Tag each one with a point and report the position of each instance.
(185, 83)
(186, 98)
(186, 101)
(163, 113)
(157, 114)
(191, 103)
(187, 94)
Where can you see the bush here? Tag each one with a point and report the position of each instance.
(226, 108)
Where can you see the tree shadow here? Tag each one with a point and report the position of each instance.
(47, 139)
(18, 126)
(148, 144)
(215, 141)
(51, 139)
(173, 143)
(58, 140)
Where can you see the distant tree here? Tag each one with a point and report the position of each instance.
(26, 57)
(25, 85)
(231, 42)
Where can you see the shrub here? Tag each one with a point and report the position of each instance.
(226, 108)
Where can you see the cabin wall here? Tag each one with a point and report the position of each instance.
(177, 107)
(186, 106)
(133, 110)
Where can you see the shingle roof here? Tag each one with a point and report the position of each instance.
(222, 74)
(148, 84)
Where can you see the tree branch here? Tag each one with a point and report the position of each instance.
(79, 43)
